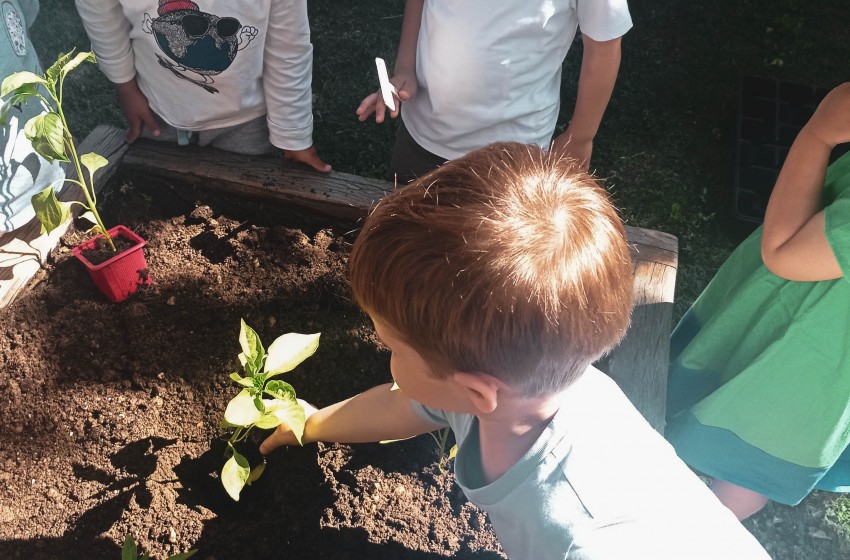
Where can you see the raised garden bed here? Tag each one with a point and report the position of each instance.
(109, 413)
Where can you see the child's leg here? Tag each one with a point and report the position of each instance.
(741, 501)
(250, 138)
(409, 159)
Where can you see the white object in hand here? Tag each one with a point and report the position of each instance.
(387, 89)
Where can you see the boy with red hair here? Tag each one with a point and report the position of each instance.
(496, 281)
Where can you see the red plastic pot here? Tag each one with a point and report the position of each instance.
(124, 273)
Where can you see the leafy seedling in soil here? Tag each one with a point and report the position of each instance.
(441, 438)
(252, 407)
(51, 139)
(130, 552)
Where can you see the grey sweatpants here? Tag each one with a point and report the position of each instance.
(250, 138)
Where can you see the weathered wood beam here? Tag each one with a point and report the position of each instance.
(258, 177)
(638, 364)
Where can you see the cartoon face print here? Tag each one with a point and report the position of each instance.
(194, 41)
(15, 28)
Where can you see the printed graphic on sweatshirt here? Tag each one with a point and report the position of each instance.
(197, 45)
(15, 29)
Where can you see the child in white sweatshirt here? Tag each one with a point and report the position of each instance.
(236, 74)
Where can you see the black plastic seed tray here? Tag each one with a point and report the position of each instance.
(770, 114)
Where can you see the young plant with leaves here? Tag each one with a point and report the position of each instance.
(440, 437)
(51, 139)
(263, 402)
(130, 552)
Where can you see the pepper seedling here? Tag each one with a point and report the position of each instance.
(252, 408)
(130, 552)
(51, 139)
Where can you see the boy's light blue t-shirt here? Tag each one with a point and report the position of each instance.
(23, 173)
(599, 484)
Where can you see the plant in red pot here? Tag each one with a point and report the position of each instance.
(114, 258)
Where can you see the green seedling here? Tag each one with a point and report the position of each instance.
(263, 402)
(440, 437)
(52, 140)
(130, 552)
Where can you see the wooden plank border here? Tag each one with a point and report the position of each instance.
(638, 364)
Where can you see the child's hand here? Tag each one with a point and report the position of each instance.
(578, 149)
(405, 88)
(309, 156)
(831, 122)
(136, 110)
(283, 435)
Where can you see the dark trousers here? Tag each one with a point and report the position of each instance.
(409, 159)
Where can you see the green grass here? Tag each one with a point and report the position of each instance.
(665, 149)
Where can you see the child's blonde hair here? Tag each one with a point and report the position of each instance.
(508, 261)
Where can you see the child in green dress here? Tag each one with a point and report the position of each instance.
(760, 365)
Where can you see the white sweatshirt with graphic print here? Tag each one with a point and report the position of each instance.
(207, 64)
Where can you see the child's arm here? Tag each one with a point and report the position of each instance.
(375, 415)
(109, 32)
(600, 64)
(794, 243)
(404, 71)
(287, 82)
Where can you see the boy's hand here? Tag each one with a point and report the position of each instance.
(405, 88)
(309, 156)
(578, 149)
(831, 122)
(283, 435)
(136, 110)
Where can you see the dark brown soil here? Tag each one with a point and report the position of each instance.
(109, 413)
(102, 252)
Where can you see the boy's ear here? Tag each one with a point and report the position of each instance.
(481, 390)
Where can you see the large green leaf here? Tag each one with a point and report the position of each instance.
(129, 550)
(253, 352)
(241, 410)
(18, 96)
(76, 61)
(279, 412)
(290, 350)
(234, 474)
(18, 79)
(93, 162)
(256, 472)
(47, 134)
(51, 212)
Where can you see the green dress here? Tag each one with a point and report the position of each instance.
(759, 385)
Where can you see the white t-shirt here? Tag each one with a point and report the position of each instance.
(23, 173)
(490, 71)
(599, 484)
(210, 64)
